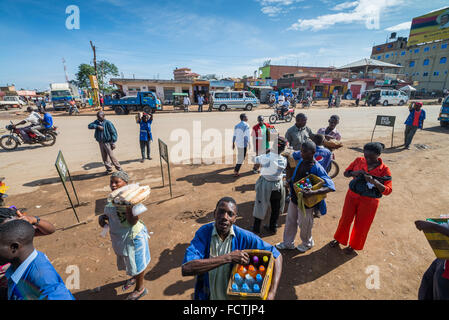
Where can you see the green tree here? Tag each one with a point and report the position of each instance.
(105, 69)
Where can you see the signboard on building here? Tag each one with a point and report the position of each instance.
(93, 82)
(430, 27)
(239, 85)
(326, 80)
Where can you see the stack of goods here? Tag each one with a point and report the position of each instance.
(131, 195)
(252, 280)
(333, 144)
(311, 182)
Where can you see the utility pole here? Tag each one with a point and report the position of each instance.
(65, 71)
(94, 49)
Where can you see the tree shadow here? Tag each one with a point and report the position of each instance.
(168, 259)
(79, 177)
(438, 129)
(302, 269)
(107, 292)
(216, 176)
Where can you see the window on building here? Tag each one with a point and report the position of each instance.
(443, 60)
(399, 64)
(411, 51)
(426, 49)
(436, 73)
(390, 46)
(416, 50)
(387, 56)
(444, 46)
(378, 49)
(434, 47)
(426, 62)
(379, 57)
(412, 64)
(425, 74)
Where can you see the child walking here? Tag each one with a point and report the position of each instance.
(129, 238)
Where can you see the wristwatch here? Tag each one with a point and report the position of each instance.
(37, 221)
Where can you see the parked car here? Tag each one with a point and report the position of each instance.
(390, 96)
(11, 101)
(444, 113)
(224, 100)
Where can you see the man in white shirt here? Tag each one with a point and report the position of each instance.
(270, 190)
(241, 138)
(186, 103)
(35, 121)
(281, 99)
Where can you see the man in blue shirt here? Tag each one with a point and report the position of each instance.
(31, 276)
(322, 154)
(201, 258)
(145, 137)
(47, 121)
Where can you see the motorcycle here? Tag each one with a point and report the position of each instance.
(16, 137)
(287, 117)
(306, 102)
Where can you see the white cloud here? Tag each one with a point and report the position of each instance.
(367, 11)
(399, 27)
(273, 8)
(345, 5)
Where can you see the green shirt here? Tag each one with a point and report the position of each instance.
(219, 277)
(263, 129)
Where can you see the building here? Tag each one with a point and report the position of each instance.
(164, 89)
(185, 74)
(424, 57)
(277, 72)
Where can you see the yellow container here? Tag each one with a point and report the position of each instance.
(317, 183)
(438, 242)
(266, 284)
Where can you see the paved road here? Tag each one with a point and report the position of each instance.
(25, 167)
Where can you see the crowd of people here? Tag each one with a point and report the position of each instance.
(281, 161)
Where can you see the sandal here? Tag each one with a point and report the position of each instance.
(334, 243)
(136, 295)
(129, 284)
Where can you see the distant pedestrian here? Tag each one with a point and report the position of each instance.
(261, 139)
(106, 135)
(338, 101)
(146, 136)
(357, 101)
(43, 104)
(241, 139)
(73, 107)
(186, 103)
(200, 103)
(414, 122)
(329, 102)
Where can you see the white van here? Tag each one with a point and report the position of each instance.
(392, 97)
(224, 100)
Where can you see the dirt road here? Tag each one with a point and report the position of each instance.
(82, 152)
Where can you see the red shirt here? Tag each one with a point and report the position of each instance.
(446, 270)
(416, 118)
(381, 171)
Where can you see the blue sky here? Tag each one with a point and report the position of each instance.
(227, 37)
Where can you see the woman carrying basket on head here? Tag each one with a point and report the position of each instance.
(300, 215)
(372, 180)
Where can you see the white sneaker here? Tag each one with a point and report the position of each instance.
(283, 246)
(303, 248)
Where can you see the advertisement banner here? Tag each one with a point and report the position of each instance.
(430, 27)
(326, 80)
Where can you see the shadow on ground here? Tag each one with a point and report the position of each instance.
(438, 129)
(217, 176)
(302, 269)
(95, 165)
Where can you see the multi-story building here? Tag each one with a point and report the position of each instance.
(425, 56)
(185, 74)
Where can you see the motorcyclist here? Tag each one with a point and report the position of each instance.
(47, 119)
(35, 121)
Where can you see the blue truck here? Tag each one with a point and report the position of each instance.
(145, 101)
(444, 113)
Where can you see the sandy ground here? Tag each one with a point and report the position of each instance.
(401, 253)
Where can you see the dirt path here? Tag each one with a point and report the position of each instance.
(401, 253)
